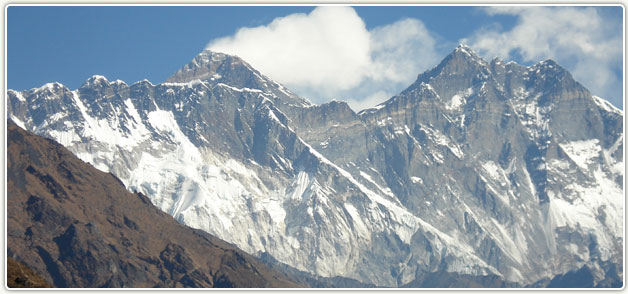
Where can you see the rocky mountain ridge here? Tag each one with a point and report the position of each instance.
(79, 227)
(478, 168)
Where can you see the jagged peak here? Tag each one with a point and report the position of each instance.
(118, 82)
(549, 66)
(216, 67)
(48, 86)
(144, 81)
(497, 60)
(466, 51)
(462, 55)
(207, 56)
(461, 61)
(464, 48)
(215, 55)
(338, 104)
(95, 81)
(208, 65)
(98, 77)
(548, 63)
(606, 105)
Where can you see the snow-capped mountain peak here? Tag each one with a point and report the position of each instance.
(477, 168)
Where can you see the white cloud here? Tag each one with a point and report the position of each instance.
(401, 49)
(369, 101)
(582, 40)
(329, 53)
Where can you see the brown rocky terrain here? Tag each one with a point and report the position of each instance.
(79, 227)
(21, 276)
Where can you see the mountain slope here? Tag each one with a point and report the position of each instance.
(79, 227)
(478, 168)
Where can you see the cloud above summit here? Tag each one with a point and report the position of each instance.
(583, 40)
(329, 54)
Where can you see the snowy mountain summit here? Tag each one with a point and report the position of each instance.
(484, 170)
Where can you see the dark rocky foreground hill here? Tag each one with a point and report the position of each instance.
(79, 227)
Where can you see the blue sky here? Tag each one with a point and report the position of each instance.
(361, 54)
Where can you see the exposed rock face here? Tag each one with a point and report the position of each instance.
(509, 173)
(216, 68)
(79, 227)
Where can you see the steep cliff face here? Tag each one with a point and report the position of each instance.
(79, 227)
(479, 168)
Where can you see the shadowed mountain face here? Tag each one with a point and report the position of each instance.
(493, 172)
(79, 227)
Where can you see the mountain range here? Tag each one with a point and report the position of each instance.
(480, 169)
